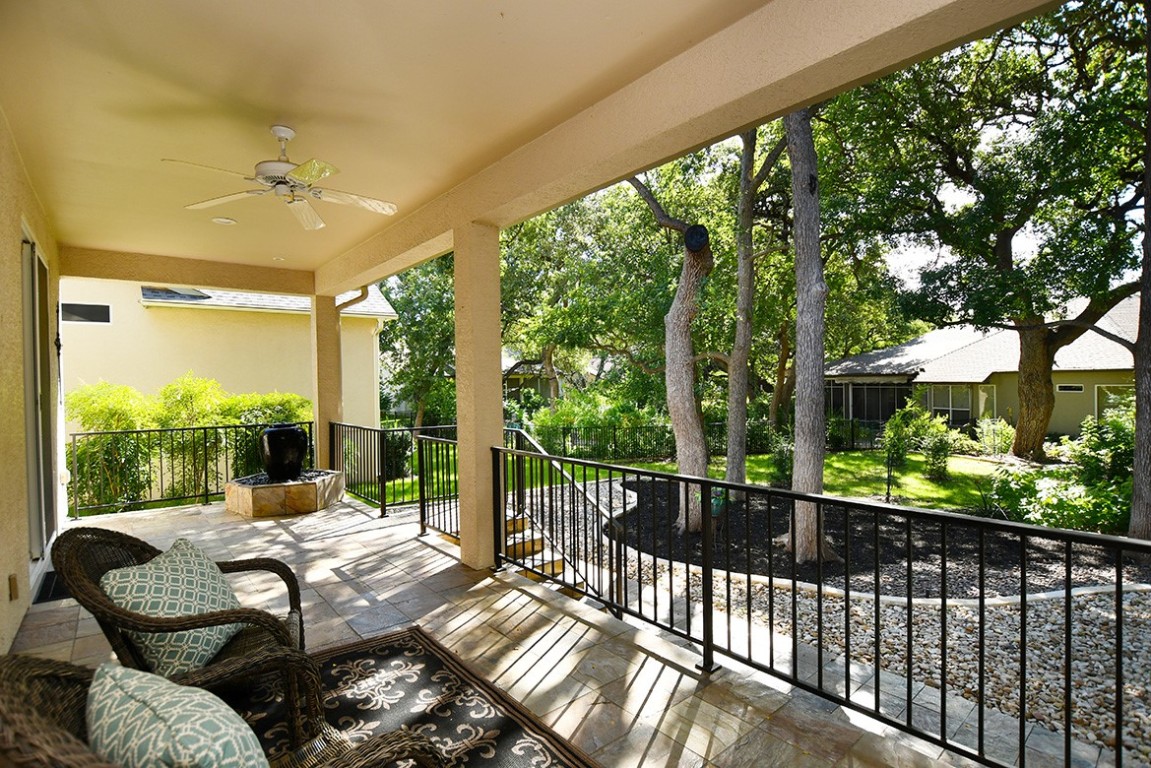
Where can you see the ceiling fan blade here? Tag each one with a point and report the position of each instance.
(311, 171)
(225, 199)
(347, 198)
(305, 213)
(206, 167)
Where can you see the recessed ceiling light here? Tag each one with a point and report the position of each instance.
(277, 258)
(223, 220)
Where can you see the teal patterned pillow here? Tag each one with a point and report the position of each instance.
(139, 720)
(182, 581)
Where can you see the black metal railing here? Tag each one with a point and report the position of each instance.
(381, 465)
(657, 441)
(438, 485)
(977, 635)
(126, 470)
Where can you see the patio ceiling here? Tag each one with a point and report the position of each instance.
(456, 111)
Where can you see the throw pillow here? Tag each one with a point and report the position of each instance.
(136, 719)
(182, 581)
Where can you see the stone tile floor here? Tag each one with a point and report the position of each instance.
(621, 692)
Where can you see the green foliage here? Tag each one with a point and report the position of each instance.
(589, 409)
(264, 408)
(1104, 452)
(1059, 499)
(418, 347)
(913, 428)
(105, 407)
(782, 462)
(1091, 492)
(397, 455)
(189, 401)
(994, 436)
(936, 447)
(115, 471)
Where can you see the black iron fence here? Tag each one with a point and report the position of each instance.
(657, 441)
(996, 640)
(141, 468)
(381, 466)
(438, 485)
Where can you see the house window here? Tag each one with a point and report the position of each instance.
(85, 313)
(1069, 388)
(876, 402)
(986, 401)
(952, 401)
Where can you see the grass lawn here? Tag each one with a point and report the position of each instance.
(862, 474)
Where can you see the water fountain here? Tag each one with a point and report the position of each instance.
(283, 488)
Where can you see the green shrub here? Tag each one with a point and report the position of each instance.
(189, 401)
(1091, 492)
(782, 462)
(936, 448)
(104, 407)
(963, 444)
(1105, 448)
(994, 436)
(397, 455)
(1055, 497)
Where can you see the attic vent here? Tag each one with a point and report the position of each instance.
(1069, 388)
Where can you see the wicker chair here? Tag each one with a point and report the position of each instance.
(267, 644)
(42, 724)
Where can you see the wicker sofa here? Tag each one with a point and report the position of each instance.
(42, 724)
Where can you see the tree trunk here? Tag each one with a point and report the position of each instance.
(679, 357)
(811, 297)
(784, 378)
(549, 372)
(1140, 526)
(679, 373)
(744, 304)
(1036, 393)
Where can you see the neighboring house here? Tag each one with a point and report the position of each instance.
(148, 335)
(970, 374)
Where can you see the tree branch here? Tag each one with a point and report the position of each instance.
(661, 216)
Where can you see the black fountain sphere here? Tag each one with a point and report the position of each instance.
(283, 448)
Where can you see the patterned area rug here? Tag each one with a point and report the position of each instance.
(407, 678)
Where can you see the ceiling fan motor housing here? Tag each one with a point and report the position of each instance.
(272, 172)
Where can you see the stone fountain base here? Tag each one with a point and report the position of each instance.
(256, 496)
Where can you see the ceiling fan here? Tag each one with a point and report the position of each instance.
(291, 183)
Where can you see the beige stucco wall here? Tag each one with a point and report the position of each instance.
(20, 216)
(246, 351)
(1070, 407)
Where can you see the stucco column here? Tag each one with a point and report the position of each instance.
(479, 394)
(327, 378)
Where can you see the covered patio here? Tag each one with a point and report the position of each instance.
(470, 118)
(622, 692)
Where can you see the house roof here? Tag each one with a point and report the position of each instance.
(906, 359)
(375, 305)
(963, 354)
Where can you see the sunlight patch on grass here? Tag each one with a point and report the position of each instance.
(862, 474)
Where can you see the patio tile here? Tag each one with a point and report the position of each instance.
(643, 746)
(626, 692)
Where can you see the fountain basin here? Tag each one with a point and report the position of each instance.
(257, 496)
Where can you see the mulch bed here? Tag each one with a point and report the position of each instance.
(873, 546)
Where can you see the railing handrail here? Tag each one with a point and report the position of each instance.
(1007, 526)
(604, 514)
(146, 430)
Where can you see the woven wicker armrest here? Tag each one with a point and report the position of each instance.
(138, 622)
